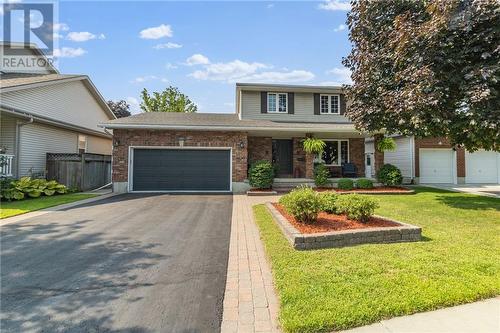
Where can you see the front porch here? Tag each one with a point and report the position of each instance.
(295, 166)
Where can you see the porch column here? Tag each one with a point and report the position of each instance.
(379, 155)
(309, 165)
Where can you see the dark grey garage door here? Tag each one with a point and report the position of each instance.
(181, 170)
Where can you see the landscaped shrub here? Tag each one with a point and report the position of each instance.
(329, 202)
(364, 183)
(303, 203)
(345, 184)
(321, 175)
(355, 206)
(261, 175)
(389, 175)
(33, 188)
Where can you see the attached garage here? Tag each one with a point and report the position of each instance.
(437, 166)
(186, 169)
(482, 167)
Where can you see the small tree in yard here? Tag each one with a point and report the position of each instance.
(169, 100)
(120, 108)
(427, 68)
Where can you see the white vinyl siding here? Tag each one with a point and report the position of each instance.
(8, 134)
(69, 102)
(303, 110)
(402, 157)
(36, 140)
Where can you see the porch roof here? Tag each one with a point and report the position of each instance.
(219, 122)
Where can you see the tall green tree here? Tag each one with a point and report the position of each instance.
(120, 108)
(427, 68)
(169, 100)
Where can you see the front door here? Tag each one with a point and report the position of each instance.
(368, 165)
(283, 157)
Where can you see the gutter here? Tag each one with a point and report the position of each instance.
(225, 128)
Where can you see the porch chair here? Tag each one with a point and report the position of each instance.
(349, 170)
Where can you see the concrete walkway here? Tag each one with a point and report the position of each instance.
(250, 302)
(488, 190)
(479, 317)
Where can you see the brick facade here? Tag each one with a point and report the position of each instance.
(122, 139)
(299, 158)
(260, 148)
(439, 143)
(357, 154)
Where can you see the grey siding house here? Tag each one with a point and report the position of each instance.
(48, 112)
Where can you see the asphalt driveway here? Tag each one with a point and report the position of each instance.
(130, 263)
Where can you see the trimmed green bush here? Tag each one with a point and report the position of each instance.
(25, 186)
(261, 175)
(303, 203)
(355, 206)
(364, 183)
(329, 202)
(389, 175)
(321, 175)
(345, 184)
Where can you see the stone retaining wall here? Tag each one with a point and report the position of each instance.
(403, 233)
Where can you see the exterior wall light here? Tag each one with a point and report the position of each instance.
(181, 140)
(242, 144)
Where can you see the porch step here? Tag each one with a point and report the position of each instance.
(288, 184)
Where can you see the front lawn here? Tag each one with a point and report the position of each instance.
(12, 208)
(333, 289)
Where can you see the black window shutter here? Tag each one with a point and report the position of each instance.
(291, 103)
(316, 104)
(263, 102)
(342, 104)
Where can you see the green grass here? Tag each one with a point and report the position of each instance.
(13, 208)
(333, 289)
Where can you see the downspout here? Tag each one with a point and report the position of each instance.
(20, 124)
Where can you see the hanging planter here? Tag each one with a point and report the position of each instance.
(313, 145)
(386, 144)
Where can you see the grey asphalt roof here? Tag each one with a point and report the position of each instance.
(19, 79)
(173, 119)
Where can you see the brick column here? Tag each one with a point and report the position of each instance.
(379, 155)
(309, 166)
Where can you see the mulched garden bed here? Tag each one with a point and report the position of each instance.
(375, 190)
(332, 222)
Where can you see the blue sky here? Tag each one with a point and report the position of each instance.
(202, 47)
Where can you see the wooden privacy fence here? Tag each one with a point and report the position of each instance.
(81, 171)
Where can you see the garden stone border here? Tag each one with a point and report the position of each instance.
(253, 193)
(332, 239)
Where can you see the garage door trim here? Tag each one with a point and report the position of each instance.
(131, 167)
(453, 163)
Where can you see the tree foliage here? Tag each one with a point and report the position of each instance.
(427, 68)
(169, 100)
(120, 108)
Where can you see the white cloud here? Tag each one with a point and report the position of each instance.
(134, 104)
(229, 71)
(342, 75)
(60, 27)
(197, 59)
(168, 45)
(169, 66)
(83, 36)
(279, 77)
(341, 27)
(141, 79)
(271, 5)
(69, 52)
(157, 32)
(335, 5)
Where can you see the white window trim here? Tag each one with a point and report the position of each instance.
(339, 154)
(277, 102)
(329, 104)
(86, 143)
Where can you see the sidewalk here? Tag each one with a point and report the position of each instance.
(478, 317)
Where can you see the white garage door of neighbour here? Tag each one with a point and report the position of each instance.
(436, 166)
(482, 167)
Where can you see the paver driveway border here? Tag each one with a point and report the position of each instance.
(250, 301)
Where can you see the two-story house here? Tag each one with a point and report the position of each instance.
(212, 152)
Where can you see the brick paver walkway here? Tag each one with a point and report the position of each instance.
(250, 302)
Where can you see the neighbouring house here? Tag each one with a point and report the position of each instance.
(436, 161)
(47, 112)
(212, 152)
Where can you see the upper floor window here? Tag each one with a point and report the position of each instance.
(329, 104)
(277, 102)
